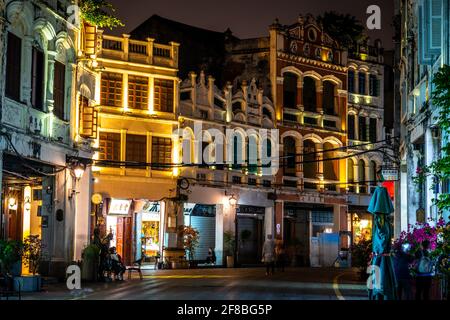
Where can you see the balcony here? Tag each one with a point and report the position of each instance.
(136, 51)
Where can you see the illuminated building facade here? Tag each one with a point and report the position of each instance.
(137, 90)
(229, 185)
(47, 69)
(365, 122)
(308, 71)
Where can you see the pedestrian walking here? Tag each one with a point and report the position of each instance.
(402, 260)
(268, 255)
(424, 267)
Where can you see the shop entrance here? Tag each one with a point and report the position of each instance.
(250, 234)
(22, 212)
(203, 218)
(296, 233)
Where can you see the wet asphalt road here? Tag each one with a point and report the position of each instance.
(219, 284)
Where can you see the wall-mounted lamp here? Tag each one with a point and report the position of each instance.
(78, 171)
(12, 204)
(232, 200)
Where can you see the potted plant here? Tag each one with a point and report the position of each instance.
(10, 256)
(361, 255)
(32, 255)
(90, 262)
(190, 238)
(229, 240)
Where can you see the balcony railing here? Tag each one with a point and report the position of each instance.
(146, 52)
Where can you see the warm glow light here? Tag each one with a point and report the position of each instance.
(12, 204)
(232, 200)
(364, 223)
(176, 156)
(78, 171)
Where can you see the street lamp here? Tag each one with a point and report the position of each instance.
(232, 200)
(78, 171)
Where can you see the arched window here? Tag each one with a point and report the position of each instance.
(362, 82)
(238, 159)
(351, 81)
(350, 175)
(328, 98)
(290, 90)
(351, 127)
(362, 129)
(373, 130)
(309, 94)
(329, 167)
(362, 176)
(289, 156)
(266, 155)
(309, 160)
(252, 155)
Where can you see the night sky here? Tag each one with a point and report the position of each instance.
(248, 18)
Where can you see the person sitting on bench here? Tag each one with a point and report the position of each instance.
(211, 258)
(117, 264)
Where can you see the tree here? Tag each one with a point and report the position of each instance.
(99, 13)
(344, 28)
(440, 168)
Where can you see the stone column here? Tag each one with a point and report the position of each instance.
(50, 79)
(319, 96)
(26, 71)
(319, 157)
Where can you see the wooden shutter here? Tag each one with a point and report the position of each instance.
(59, 89)
(37, 79)
(13, 62)
(88, 119)
(435, 24)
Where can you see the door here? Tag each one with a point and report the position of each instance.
(296, 235)
(250, 239)
(119, 236)
(127, 240)
(138, 235)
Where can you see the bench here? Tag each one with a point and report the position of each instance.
(135, 267)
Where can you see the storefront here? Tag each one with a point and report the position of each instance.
(361, 225)
(203, 218)
(137, 228)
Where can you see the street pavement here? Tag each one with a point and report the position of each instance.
(219, 284)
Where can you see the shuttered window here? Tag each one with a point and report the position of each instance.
(37, 79)
(88, 119)
(137, 92)
(435, 23)
(362, 129)
(109, 146)
(163, 99)
(59, 89)
(136, 148)
(13, 62)
(373, 130)
(161, 151)
(373, 86)
(111, 89)
(362, 83)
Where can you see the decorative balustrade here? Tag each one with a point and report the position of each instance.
(126, 49)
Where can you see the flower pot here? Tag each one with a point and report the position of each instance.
(28, 283)
(230, 262)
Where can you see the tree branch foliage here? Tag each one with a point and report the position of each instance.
(441, 99)
(344, 28)
(99, 13)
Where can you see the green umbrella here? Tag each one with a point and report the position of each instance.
(382, 280)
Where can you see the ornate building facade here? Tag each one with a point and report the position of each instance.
(228, 134)
(47, 69)
(309, 87)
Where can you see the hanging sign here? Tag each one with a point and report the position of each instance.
(119, 207)
(390, 174)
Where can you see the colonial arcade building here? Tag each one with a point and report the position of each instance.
(309, 87)
(229, 185)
